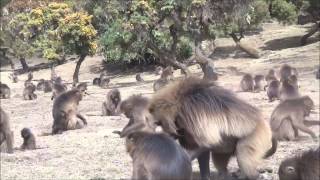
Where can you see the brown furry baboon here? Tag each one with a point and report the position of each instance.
(139, 78)
(83, 87)
(167, 73)
(58, 88)
(30, 76)
(158, 70)
(159, 83)
(28, 91)
(247, 83)
(305, 166)
(4, 91)
(271, 75)
(6, 135)
(157, 156)
(29, 140)
(65, 112)
(208, 70)
(258, 83)
(289, 117)
(273, 90)
(110, 106)
(104, 81)
(44, 85)
(293, 80)
(318, 73)
(288, 90)
(96, 81)
(190, 109)
(286, 71)
(13, 76)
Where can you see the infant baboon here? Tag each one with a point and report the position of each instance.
(139, 78)
(305, 166)
(13, 76)
(65, 112)
(258, 83)
(6, 135)
(58, 88)
(189, 109)
(44, 85)
(4, 91)
(157, 156)
(110, 106)
(158, 70)
(288, 90)
(273, 90)
(289, 117)
(247, 83)
(29, 140)
(28, 91)
(286, 71)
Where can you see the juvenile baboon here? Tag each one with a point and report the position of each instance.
(110, 106)
(258, 83)
(318, 73)
(28, 91)
(286, 71)
(6, 135)
(29, 140)
(305, 166)
(30, 76)
(96, 81)
(157, 156)
(271, 75)
(288, 90)
(65, 112)
(167, 73)
(158, 70)
(293, 80)
(208, 70)
(159, 83)
(289, 117)
(83, 87)
(13, 76)
(58, 88)
(4, 91)
(273, 90)
(139, 78)
(165, 78)
(44, 85)
(247, 83)
(104, 81)
(190, 109)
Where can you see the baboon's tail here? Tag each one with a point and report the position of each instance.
(273, 149)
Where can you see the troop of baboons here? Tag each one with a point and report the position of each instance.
(197, 118)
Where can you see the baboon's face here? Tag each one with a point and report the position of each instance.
(309, 105)
(288, 171)
(115, 97)
(25, 133)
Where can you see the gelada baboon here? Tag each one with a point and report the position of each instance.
(139, 78)
(157, 156)
(28, 91)
(271, 75)
(158, 70)
(289, 117)
(318, 73)
(208, 70)
(103, 76)
(273, 90)
(286, 71)
(288, 90)
(258, 83)
(29, 140)
(305, 166)
(83, 87)
(204, 116)
(30, 76)
(58, 88)
(110, 106)
(165, 78)
(294, 81)
(44, 85)
(4, 91)
(6, 135)
(65, 112)
(247, 83)
(13, 76)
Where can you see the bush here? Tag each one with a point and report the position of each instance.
(284, 11)
(259, 12)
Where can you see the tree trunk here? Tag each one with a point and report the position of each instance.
(76, 71)
(24, 64)
(313, 30)
(252, 52)
(181, 66)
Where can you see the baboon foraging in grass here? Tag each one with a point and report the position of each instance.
(4, 91)
(139, 78)
(13, 76)
(58, 88)
(288, 90)
(28, 91)
(110, 106)
(65, 112)
(273, 90)
(247, 83)
(286, 71)
(158, 70)
(305, 166)
(29, 140)
(289, 117)
(189, 109)
(44, 85)
(157, 156)
(6, 135)
(258, 83)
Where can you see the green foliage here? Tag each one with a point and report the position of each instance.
(259, 12)
(284, 12)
